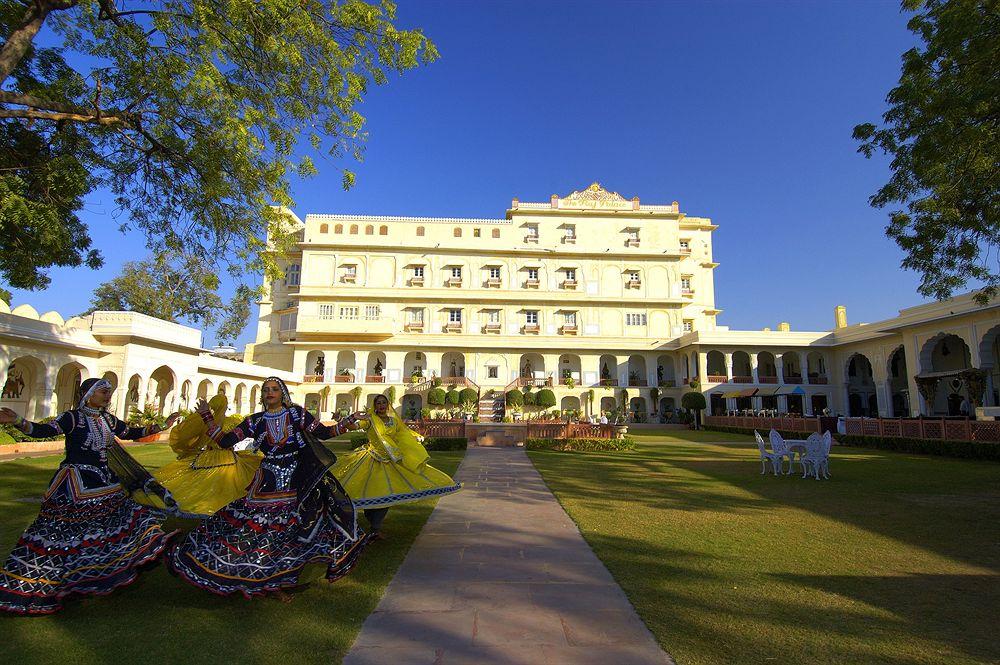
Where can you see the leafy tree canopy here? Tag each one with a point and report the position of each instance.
(195, 114)
(693, 401)
(178, 289)
(942, 130)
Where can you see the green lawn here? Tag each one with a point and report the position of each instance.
(160, 619)
(894, 560)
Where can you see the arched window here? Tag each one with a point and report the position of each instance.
(354, 229)
(496, 233)
(420, 231)
(339, 228)
(324, 228)
(383, 230)
(369, 230)
(458, 231)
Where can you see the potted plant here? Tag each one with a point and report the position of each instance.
(570, 382)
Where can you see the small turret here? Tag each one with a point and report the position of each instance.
(840, 316)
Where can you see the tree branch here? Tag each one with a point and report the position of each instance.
(88, 118)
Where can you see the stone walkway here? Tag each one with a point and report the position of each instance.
(500, 574)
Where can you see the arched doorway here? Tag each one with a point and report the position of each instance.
(715, 367)
(415, 365)
(205, 390)
(637, 410)
(254, 398)
(376, 367)
(68, 386)
(946, 353)
(315, 365)
(608, 368)
(132, 396)
(23, 384)
(767, 368)
(185, 400)
(898, 384)
(452, 365)
(608, 404)
(741, 367)
(411, 406)
(239, 406)
(160, 391)
(569, 368)
(116, 397)
(637, 370)
(570, 403)
(346, 367)
(989, 362)
(861, 387)
(665, 374)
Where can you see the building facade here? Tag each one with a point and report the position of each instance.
(44, 358)
(587, 291)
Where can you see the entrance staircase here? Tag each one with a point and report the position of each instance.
(491, 409)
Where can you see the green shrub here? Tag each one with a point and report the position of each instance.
(436, 397)
(10, 434)
(446, 443)
(453, 397)
(693, 401)
(468, 396)
(514, 398)
(425, 413)
(357, 439)
(581, 445)
(546, 398)
(983, 450)
(530, 399)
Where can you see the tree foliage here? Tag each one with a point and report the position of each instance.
(195, 114)
(468, 396)
(436, 397)
(514, 398)
(694, 401)
(174, 290)
(942, 130)
(546, 398)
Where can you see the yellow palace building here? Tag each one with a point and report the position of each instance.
(588, 291)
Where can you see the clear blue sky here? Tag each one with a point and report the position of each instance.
(742, 111)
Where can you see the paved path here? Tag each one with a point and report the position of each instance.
(500, 574)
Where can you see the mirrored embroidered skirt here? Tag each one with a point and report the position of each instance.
(89, 538)
(262, 542)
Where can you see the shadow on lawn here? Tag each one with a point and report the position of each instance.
(942, 505)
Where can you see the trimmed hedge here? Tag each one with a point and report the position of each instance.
(10, 434)
(356, 440)
(983, 450)
(581, 445)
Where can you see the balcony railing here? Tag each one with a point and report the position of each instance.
(818, 380)
(793, 378)
(530, 329)
(612, 383)
(349, 278)
(686, 251)
(416, 281)
(493, 283)
(567, 330)
(453, 327)
(491, 328)
(632, 242)
(742, 379)
(522, 381)
(569, 284)
(531, 283)
(569, 240)
(718, 378)
(637, 382)
(313, 378)
(415, 326)
(344, 378)
(687, 292)
(767, 379)
(454, 281)
(633, 284)
(531, 237)
(374, 378)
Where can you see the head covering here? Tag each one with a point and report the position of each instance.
(286, 399)
(89, 387)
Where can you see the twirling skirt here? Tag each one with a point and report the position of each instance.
(85, 540)
(203, 484)
(374, 481)
(261, 543)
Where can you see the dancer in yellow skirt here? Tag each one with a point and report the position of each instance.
(205, 477)
(390, 469)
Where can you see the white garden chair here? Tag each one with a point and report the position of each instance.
(780, 447)
(817, 458)
(776, 459)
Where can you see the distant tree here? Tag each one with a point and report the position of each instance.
(436, 397)
(514, 398)
(942, 131)
(546, 398)
(195, 115)
(182, 289)
(693, 401)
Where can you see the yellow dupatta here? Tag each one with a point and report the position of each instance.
(398, 437)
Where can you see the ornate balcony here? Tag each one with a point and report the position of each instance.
(718, 378)
(454, 281)
(415, 326)
(453, 327)
(568, 330)
(569, 284)
(633, 284)
(493, 283)
(491, 328)
(632, 242)
(530, 329)
(531, 283)
(416, 281)
(742, 379)
(611, 383)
